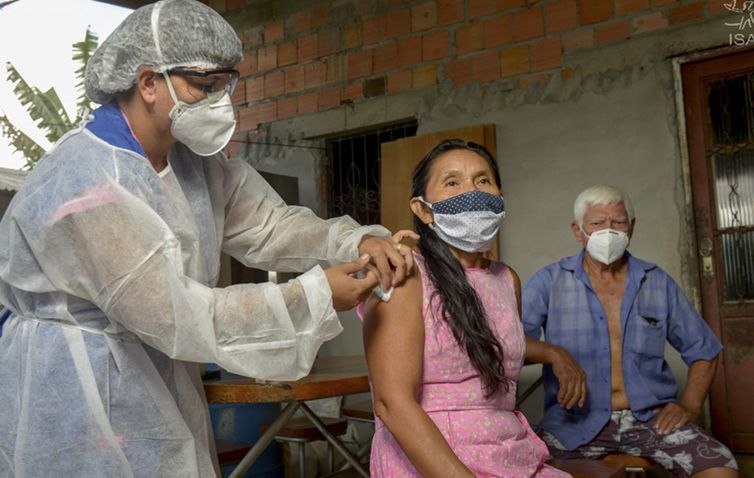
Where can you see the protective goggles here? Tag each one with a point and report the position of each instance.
(210, 81)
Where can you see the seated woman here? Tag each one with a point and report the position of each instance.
(445, 352)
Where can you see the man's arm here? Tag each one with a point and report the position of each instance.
(688, 408)
(569, 373)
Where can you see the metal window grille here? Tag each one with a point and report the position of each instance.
(732, 158)
(353, 185)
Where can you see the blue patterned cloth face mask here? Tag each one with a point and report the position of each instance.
(468, 221)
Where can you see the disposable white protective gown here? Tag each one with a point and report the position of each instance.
(109, 269)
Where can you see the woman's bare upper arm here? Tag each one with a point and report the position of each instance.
(517, 288)
(394, 340)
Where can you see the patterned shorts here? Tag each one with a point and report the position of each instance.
(683, 452)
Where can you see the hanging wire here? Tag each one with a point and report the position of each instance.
(282, 145)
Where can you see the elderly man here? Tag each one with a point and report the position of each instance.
(606, 316)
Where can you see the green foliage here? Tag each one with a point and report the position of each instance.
(45, 107)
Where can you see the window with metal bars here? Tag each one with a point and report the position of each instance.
(353, 179)
(732, 158)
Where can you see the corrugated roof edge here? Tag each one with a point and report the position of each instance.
(12, 179)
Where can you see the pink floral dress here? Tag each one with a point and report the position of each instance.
(488, 436)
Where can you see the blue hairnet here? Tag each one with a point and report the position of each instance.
(162, 35)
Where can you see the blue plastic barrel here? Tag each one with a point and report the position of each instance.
(243, 423)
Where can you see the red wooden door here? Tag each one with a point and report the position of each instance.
(719, 103)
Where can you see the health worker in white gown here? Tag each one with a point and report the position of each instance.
(110, 254)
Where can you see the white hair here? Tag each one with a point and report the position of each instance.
(600, 196)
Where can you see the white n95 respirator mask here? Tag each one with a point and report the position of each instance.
(206, 126)
(468, 221)
(606, 245)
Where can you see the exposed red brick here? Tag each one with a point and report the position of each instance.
(306, 48)
(397, 82)
(239, 95)
(498, 31)
(545, 55)
(328, 98)
(274, 84)
(478, 8)
(267, 112)
(398, 2)
(423, 16)
(409, 51)
(578, 39)
(385, 57)
(449, 12)
(660, 3)
(273, 31)
(315, 74)
(249, 64)
(375, 87)
(567, 73)
(219, 6)
(255, 89)
(354, 91)
(300, 21)
(234, 4)
(470, 38)
(232, 149)
(287, 108)
(286, 53)
(716, 6)
(248, 118)
(359, 64)
(486, 66)
(365, 9)
(459, 71)
(648, 23)
(352, 35)
(689, 12)
(328, 42)
(307, 103)
(595, 11)
(528, 24)
(562, 15)
(397, 23)
(524, 83)
(624, 7)
(435, 45)
(267, 58)
(612, 32)
(373, 29)
(503, 5)
(514, 61)
(321, 16)
(294, 79)
(252, 37)
(424, 76)
(336, 68)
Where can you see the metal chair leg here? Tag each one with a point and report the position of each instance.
(302, 460)
(330, 457)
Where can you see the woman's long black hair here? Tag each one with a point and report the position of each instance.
(462, 308)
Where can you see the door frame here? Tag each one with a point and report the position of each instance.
(697, 210)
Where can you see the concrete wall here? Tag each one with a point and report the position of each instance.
(579, 96)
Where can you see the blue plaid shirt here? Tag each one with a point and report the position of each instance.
(559, 299)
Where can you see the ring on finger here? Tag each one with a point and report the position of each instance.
(398, 247)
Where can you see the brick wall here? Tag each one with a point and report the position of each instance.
(323, 56)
